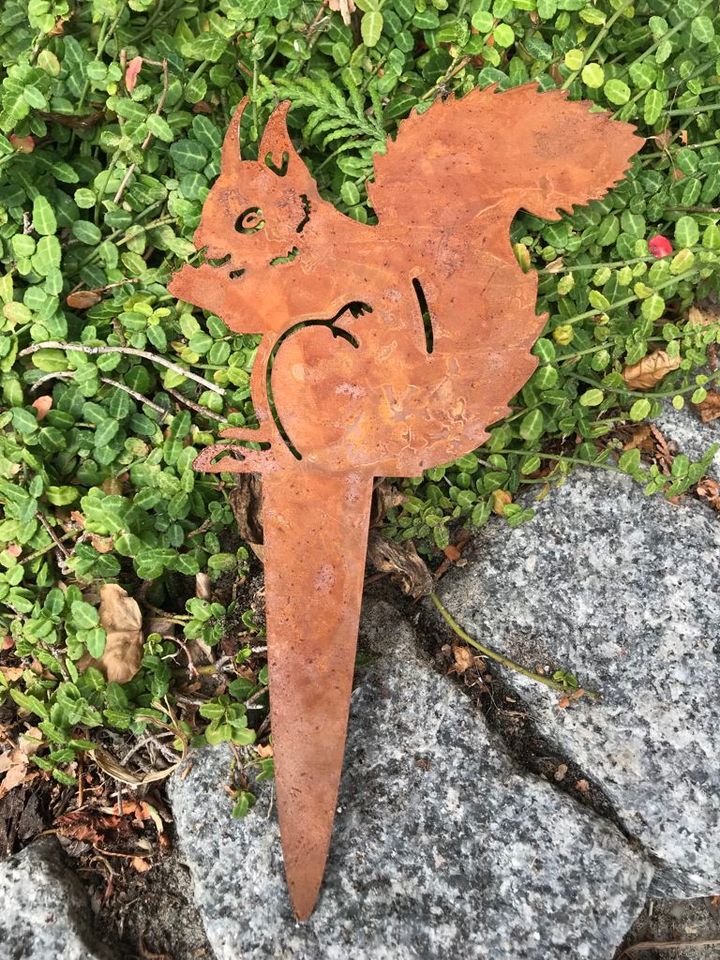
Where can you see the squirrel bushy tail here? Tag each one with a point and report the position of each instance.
(536, 150)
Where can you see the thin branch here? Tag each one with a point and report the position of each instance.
(658, 945)
(68, 374)
(203, 411)
(146, 142)
(51, 533)
(137, 396)
(39, 553)
(499, 658)
(130, 351)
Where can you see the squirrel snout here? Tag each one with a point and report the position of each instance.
(204, 243)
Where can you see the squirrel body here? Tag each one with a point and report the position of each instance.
(388, 349)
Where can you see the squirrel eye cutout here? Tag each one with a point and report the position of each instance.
(250, 221)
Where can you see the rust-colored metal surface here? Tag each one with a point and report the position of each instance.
(386, 350)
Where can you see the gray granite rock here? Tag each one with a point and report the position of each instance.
(692, 436)
(44, 913)
(442, 847)
(622, 590)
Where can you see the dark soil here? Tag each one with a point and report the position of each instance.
(149, 916)
(666, 922)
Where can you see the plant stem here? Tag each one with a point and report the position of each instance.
(203, 411)
(131, 351)
(626, 300)
(616, 263)
(69, 374)
(701, 108)
(562, 457)
(644, 393)
(498, 657)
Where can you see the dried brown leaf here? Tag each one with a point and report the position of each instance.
(649, 371)
(640, 438)
(452, 553)
(31, 741)
(102, 544)
(500, 499)
(132, 73)
(118, 611)
(709, 490)
(385, 497)
(402, 562)
(14, 766)
(107, 762)
(121, 617)
(12, 674)
(663, 139)
(246, 503)
(203, 584)
(22, 144)
(703, 315)
(42, 406)
(709, 409)
(86, 825)
(82, 299)
(464, 659)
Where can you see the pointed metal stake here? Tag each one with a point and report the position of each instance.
(315, 524)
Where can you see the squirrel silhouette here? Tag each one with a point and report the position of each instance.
(385, 350)
(432, 293)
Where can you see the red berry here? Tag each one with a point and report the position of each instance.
(660, 246)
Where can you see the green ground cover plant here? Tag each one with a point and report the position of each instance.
(112, 114)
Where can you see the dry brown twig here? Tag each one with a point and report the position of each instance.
(130, 351)
(645, 945)
(69, 374)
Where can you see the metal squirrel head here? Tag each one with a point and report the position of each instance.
(256, 218)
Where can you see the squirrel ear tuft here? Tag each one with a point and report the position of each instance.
(231, 144)
(276, 148)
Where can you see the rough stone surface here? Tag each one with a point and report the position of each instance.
(623, 591)
(44, 913)
(692, 436)
(442, 847)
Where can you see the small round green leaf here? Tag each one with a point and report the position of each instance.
(653, 307)
(504, 35)
(617, 91)
(593, 75)
(639, 410)
(43, 217)
(573, 59)
(531, 426)
(687, 232)
(702, 29)
(160, 128)
(371, 27)
(592, 398)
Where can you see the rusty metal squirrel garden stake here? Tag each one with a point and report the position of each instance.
(386, 350)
